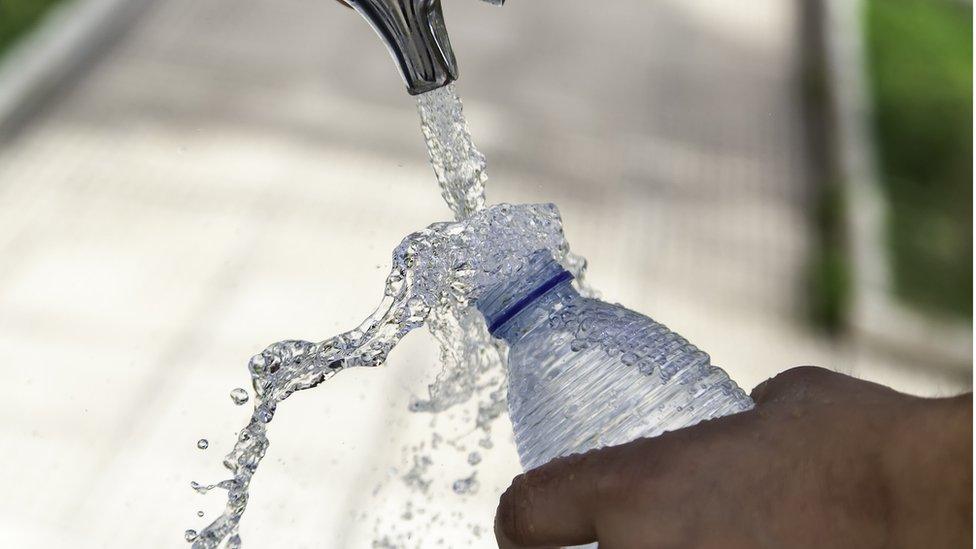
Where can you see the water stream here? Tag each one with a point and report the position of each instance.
(437, 272)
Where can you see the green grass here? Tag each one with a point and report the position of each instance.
(920, 69)
(18, 16)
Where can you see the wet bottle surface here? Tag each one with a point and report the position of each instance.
(584, 374)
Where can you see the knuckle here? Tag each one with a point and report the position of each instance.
(793, 383)
(805, 373)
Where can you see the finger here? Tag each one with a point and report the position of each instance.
(505, 543)
(790, 384)
(550, 506)
(760, 392)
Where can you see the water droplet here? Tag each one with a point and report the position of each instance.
(190, 535)
(474, 458)
(629, 359)
(578, 345)
(203, 444)
(466, 485)
(239, 396)
(200, 514)
(570, 411)
(257, 364)
(585, 325)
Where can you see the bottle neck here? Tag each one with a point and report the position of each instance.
(507, 305)
(538, 312)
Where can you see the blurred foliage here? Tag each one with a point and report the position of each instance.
(18, 16)
(920, 64)
(830, 267)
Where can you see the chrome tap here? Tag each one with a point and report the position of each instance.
(414, 32)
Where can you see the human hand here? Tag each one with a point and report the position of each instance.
(824, 460)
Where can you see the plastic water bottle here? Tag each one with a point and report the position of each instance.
(584, 374)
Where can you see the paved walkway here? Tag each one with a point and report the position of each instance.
(235, 172)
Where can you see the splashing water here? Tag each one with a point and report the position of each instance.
(436, 273)
(458, 165)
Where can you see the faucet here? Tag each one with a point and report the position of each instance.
(415, 34)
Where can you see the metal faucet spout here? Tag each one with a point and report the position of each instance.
(415, 34)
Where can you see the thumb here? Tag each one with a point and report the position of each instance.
(552, 505)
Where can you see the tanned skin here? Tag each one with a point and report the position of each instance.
(824, 460)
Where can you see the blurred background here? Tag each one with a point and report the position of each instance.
(183, 182)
